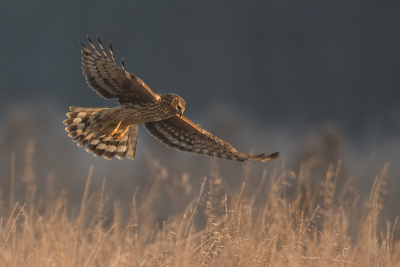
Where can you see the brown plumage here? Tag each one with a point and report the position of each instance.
(113, 132)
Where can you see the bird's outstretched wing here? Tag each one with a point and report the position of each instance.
(110, 81)
(180, 133)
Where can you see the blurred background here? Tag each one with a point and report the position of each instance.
(316, 80)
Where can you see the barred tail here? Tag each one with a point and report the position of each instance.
(99, 129)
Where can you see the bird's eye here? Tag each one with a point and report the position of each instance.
(179, 108)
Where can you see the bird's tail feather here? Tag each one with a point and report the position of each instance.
(99, 130)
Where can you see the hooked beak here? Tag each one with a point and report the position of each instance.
(180, 113)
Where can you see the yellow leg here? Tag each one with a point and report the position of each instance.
(116, 129)
(122, 134)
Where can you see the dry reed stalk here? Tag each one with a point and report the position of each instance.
(266, 226)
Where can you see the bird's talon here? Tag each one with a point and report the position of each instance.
(116, 129)
(121, 134)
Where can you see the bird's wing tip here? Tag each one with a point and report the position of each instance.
(270, 157)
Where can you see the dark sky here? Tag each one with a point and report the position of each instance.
(276, 61)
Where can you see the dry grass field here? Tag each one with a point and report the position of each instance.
(282, 221)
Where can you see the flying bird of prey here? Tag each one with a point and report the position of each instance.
(113, 132)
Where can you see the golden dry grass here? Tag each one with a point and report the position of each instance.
(280, 222)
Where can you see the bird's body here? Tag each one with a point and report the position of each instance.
(113, 132)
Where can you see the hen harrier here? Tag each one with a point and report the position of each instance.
(113, 132)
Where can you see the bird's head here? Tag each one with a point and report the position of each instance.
(176, 104)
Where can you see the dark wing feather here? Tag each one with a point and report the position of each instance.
(110, 81)
(180, 133)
